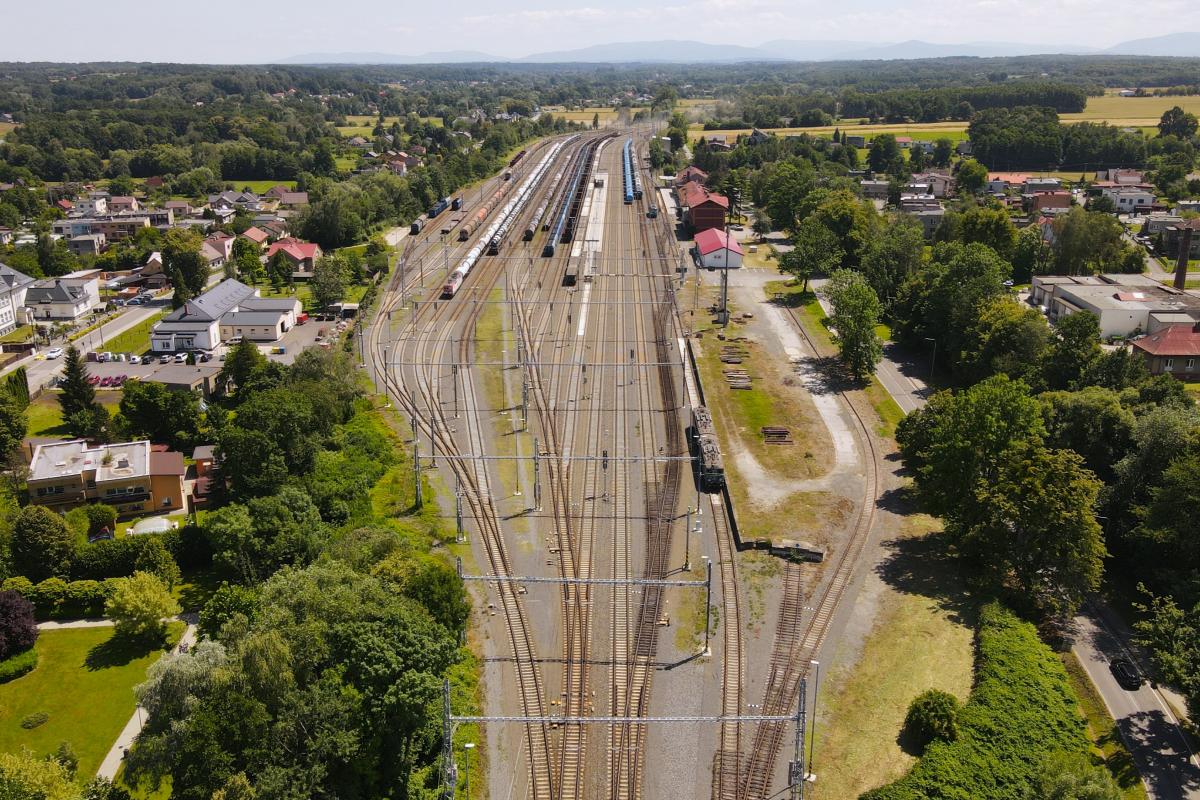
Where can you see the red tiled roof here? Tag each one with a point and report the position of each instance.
(713, 239)
(1173, 340)
(256, 235)
(1009, 177)
(295, 249)
(694, 195)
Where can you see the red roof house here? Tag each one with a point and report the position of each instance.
(303, 255)
(705, 209)
(256, 235)
(716, 249)
(1174, 350)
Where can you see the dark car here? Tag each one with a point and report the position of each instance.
(1126, 674)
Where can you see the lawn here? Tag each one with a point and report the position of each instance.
(136, 340)
(260, 187)
(22, 333)
(303, 293)
(45, 416)
(921, 638)
(84, 684)
(5, 127)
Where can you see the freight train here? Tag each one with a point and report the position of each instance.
(503, 219)
(627, 171)
(702, 437)
(438, 207)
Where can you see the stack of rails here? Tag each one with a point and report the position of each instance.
(627, 171)
(506, 215)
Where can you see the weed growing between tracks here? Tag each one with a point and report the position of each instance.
(689, 621)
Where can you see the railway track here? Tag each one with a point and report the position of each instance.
(796, 644)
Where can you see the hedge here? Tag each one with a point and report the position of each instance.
(54, 598)
(1021, 710)
(15, 666)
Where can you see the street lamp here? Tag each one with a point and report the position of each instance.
(932, 360)
(468, 747)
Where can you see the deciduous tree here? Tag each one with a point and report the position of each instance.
(139, 605)
(855, 316)
(816, 252)
(18, 629)
(42, 544)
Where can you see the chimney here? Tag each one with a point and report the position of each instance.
(1185, 253)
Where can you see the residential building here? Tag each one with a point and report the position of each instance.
(1187, 205)
(1157, 223)
(1001, 182)
(87, 244)
(1042, 201)
(1042, 184)
(874, 189)
(200, 379)
(294, 199)
(123, 205)
(13, 286)
(1125, 305)
(716, 249)
(221, 242)
(95, 205)
(702, 209)
(1128, 198)
(213, 256)
(1173, 350)
(180, 208)
(248, 201)
(1173, 235)
(758, 136)
(1121, 176)
(854, 140)
(303, 255)
(690, 174)
(256, 235)
(62, 299)
(940, 184)
(132, 476)
(6, 235)
(227, 310)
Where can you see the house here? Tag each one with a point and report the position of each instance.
(854, 140)
(256, 235)
(703, 209)
(180, 208)
(123, 205)
(154, 264)
(940, 184)
(94, 205)
(1001, 182)
(214, 256)
(155, 182)
(1127, 177)
(1125, 305)
(1157, 223)
(1043, 184)
(6, 235)
(717, 143)
(65, 205)
(227, 310)
(1128, 199)
(1173, 236)
(358, 141)
(276, 228)
(294, 199)
(61, 298)
(930, 218)
(964, 148)
(874, 189)
(689, 174)
(758, 136)
(200, 379)
(1173, 350)
(905, 142)
(13, 286)
(247, 201)
(716, 249)
(196, 324)
(132, 477)
(1042, 201)
(1187, 205)
(221, 242)
(277, 192)
(204, 458)
(87, 244)
(303, 255)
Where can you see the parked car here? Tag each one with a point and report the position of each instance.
(93, 379)
(135, 359)
(137, 301)
(1126, 674)
(165, 358)
(106, 380)
(204, 357)
(120, 380)
(54, 352)
(301, 318)
(181, 358)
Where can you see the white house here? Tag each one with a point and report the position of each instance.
(227, 310)
(61, 298)
(715, 249)
(13, 286)
(1128, 198)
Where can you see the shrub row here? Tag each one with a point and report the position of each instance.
(1021, 710)
(16, 666)
(54, 598)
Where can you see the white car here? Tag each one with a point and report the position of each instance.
(54, 352)
(181, 358)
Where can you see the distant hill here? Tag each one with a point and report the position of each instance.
(442, 57)
(1173, 44)
(682, 51)
(667, 51)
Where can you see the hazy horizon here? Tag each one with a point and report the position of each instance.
(121, 30)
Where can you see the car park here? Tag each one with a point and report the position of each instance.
(1126, 674)
(54, 352)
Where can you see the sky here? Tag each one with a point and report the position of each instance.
(224, 31)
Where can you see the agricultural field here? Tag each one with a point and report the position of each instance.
(364, 124)
(82, 686)
(1135, 111)
(954, 131)
(608, 116)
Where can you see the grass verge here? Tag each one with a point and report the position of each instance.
(1107, 746)
(84, 685)
(45, 416)
(921, 639)
(136, 340)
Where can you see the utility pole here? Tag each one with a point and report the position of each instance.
(454, 379)
(537, 477)
(449, 768)
(460, 536)
(707, 604)
(417, 499)
(796, 771)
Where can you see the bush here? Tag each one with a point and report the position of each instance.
(932, 715)
(31, 721)
(18, 665)
(42, 544)
(18, 630)
(1021, 710)
(54, 599)
(48, 596)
